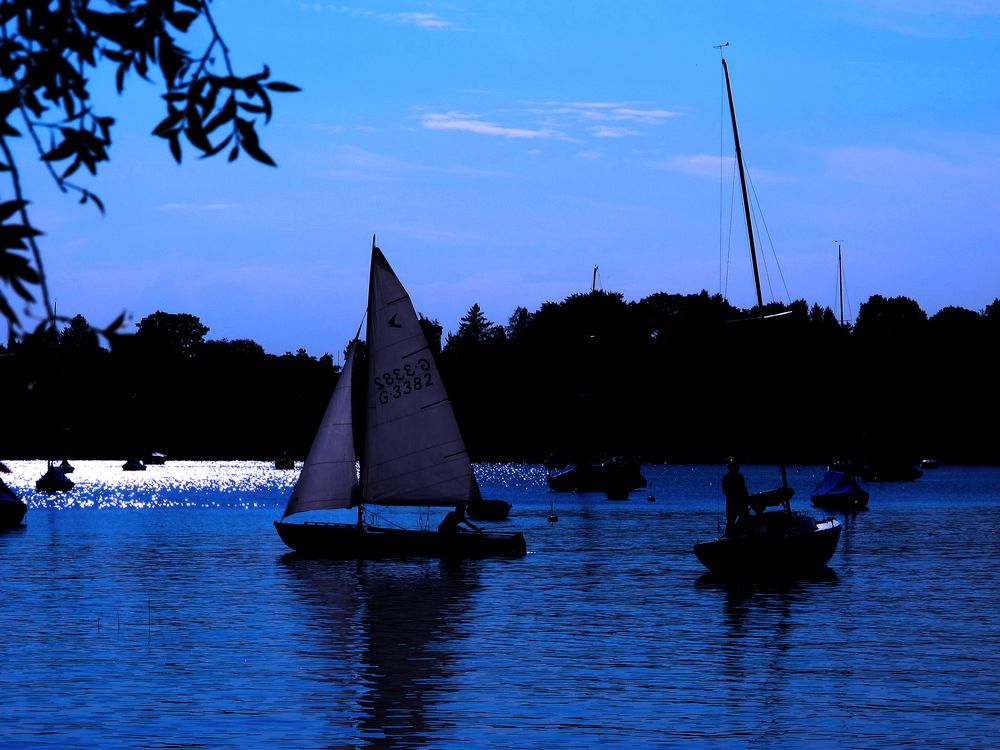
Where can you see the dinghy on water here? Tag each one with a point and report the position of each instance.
(413, 452)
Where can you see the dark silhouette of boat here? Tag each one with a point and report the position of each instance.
(66, 467)
(781, 542)
(413, 451)
(618, 474)
(488, 510)
(839, 490)
(284, 461)
(53, 480)
(12, 508)
(133, 464)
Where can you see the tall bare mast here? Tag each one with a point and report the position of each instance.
(840, 281)
(743, 187)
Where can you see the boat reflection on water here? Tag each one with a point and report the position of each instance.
(387, 626)
(765, 629)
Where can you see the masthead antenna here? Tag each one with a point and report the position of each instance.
(720, 46)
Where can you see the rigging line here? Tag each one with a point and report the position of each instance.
(770, 242)
(732, 210)
(722, 171)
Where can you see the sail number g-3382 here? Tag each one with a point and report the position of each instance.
(404, 380)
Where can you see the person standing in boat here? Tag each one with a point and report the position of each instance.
(455, 518)
(734, 487)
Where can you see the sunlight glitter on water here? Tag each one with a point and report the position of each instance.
(176, 484)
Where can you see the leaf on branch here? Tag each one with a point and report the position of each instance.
(74, 165)
(9, 208)
(248, 139)
(168, 123)
(8, 312)
(182, 19)
(63, 150)
(175, 146)
(224, 115)
(216, 149)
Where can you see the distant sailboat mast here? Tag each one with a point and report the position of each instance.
(840, 281)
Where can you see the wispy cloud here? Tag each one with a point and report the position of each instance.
(422, 20)
(431, 21)
(606, 131)
(198, 206)
(609, 112)
(705, 166)
(474, 124)
(699, 165)
(359, 165)
(890, 165)
(924, 18)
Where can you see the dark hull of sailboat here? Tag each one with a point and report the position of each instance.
(336, 541)
(787, 546)
(488, 510)
(846, 501)
(54, 480)
(617, 475)
(11, 513)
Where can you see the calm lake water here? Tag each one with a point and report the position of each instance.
(160, 609)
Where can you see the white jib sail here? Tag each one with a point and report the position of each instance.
(329, 474)
(414, 452)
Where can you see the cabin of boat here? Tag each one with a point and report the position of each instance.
(134, 464)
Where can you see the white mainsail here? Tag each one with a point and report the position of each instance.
(414, 452)
(329, 475)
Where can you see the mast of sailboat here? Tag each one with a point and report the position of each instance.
(743, 187)
(840, 281)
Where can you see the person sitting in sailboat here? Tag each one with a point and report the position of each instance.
(454, 518)
(734, 487)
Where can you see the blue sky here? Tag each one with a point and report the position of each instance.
(501, 150)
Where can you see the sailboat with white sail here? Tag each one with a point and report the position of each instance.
(410, 451)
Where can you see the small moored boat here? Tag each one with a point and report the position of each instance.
(12, 508)
(840, 491)
(53, 480)
(134, 464)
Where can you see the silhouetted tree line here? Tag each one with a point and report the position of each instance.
(669, 378)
